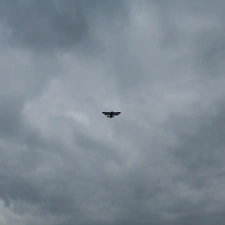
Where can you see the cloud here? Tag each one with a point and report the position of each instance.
(62, 64)
(56, 25)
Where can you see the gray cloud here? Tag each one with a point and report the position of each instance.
(161, 161)
(57, 25)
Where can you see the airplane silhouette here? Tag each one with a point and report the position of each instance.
(111, 114)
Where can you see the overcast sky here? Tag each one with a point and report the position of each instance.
(161, 161)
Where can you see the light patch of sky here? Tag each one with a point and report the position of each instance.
(79, 117)
(8, 216)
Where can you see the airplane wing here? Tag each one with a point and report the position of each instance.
(106, 113)
(116, 113)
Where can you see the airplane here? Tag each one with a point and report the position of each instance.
(111, 114)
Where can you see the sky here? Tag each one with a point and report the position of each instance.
(161, 161)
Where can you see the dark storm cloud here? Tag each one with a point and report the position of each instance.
(161, 161)
(200, 152)
(202, 30)
(54, 25)
(10, 122)
(201, 149)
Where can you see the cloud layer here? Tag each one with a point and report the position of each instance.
(161, 64)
